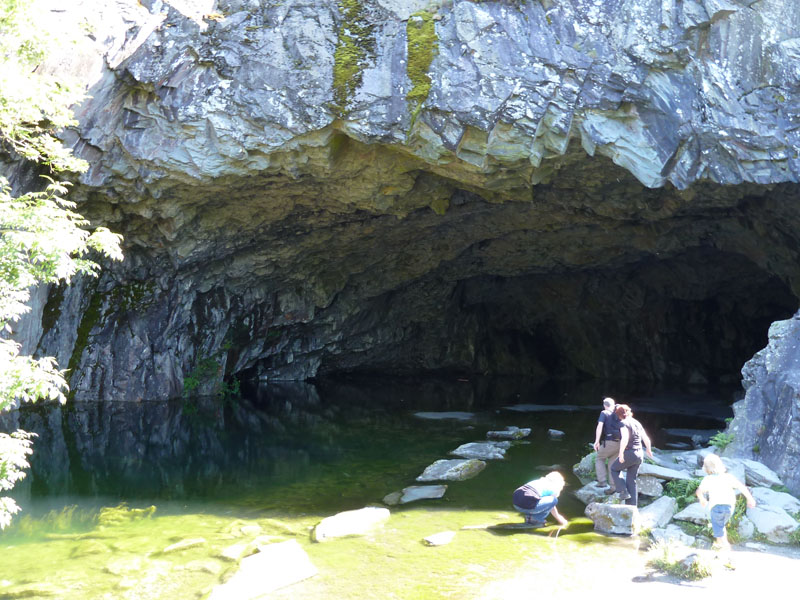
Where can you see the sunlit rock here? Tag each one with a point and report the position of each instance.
(663, 472)
(672, 533)
(482, 450)
(452, 470)
(440, 539)
(694, 513)
(773, 522)
(649, 486)
(351, 522)
(659, 513)
(614, 518)
(781, 500)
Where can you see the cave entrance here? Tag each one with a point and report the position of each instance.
(693, 318)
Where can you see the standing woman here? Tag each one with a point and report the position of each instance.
(632, 436)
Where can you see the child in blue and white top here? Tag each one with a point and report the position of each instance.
(718, 492)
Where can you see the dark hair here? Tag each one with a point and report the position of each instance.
(623, 411)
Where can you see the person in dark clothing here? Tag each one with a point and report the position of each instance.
(606, 442)
(632, 437)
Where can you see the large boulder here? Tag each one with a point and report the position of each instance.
(781, 500)
(773, 522)
(663, 472)
(765, 424)
(694, 513)
(614, 518)
(659, 513)
(584, 470)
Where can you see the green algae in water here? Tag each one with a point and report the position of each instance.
(329, 466)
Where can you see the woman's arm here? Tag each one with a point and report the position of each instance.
(623, 442)
(646, 440)
(558, 517)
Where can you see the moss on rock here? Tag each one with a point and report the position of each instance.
(422, 48)
(356, 43)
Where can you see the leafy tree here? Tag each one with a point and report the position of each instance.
(44, 241)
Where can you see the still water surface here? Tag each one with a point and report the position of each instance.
(277, 462)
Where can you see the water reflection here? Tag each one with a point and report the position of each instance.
(357, 438)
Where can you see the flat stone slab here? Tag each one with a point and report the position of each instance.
(773, 522)
(662, 472)
(694, 513)
(659, 513)
(422, 492)
(782, 500)
(273, 567)
(482, 450)
(350, 522)
(452, 470)
(509, 433)
(760, 475)
(440, 539)
(456, 415)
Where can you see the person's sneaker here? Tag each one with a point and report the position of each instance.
(624, 495)
(610, 491)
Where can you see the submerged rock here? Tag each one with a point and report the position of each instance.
(414, 493)
(184, 545)
(452, 470)
(275, 566)
(454, 415)
(351, 522)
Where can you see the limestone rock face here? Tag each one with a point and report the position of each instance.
(555, 189)
(765, 426)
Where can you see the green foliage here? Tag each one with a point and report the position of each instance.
(668, 558)
(683, 490)
(780, 488)
(739, 510)
(721, 440)
(44, 241)
(209, 370)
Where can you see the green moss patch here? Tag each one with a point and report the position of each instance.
(356, 44)
(422, 48)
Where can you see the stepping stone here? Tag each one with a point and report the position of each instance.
(482, 450)
(452, 470)
(415, 492)
(456, 415)
(510, 433)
